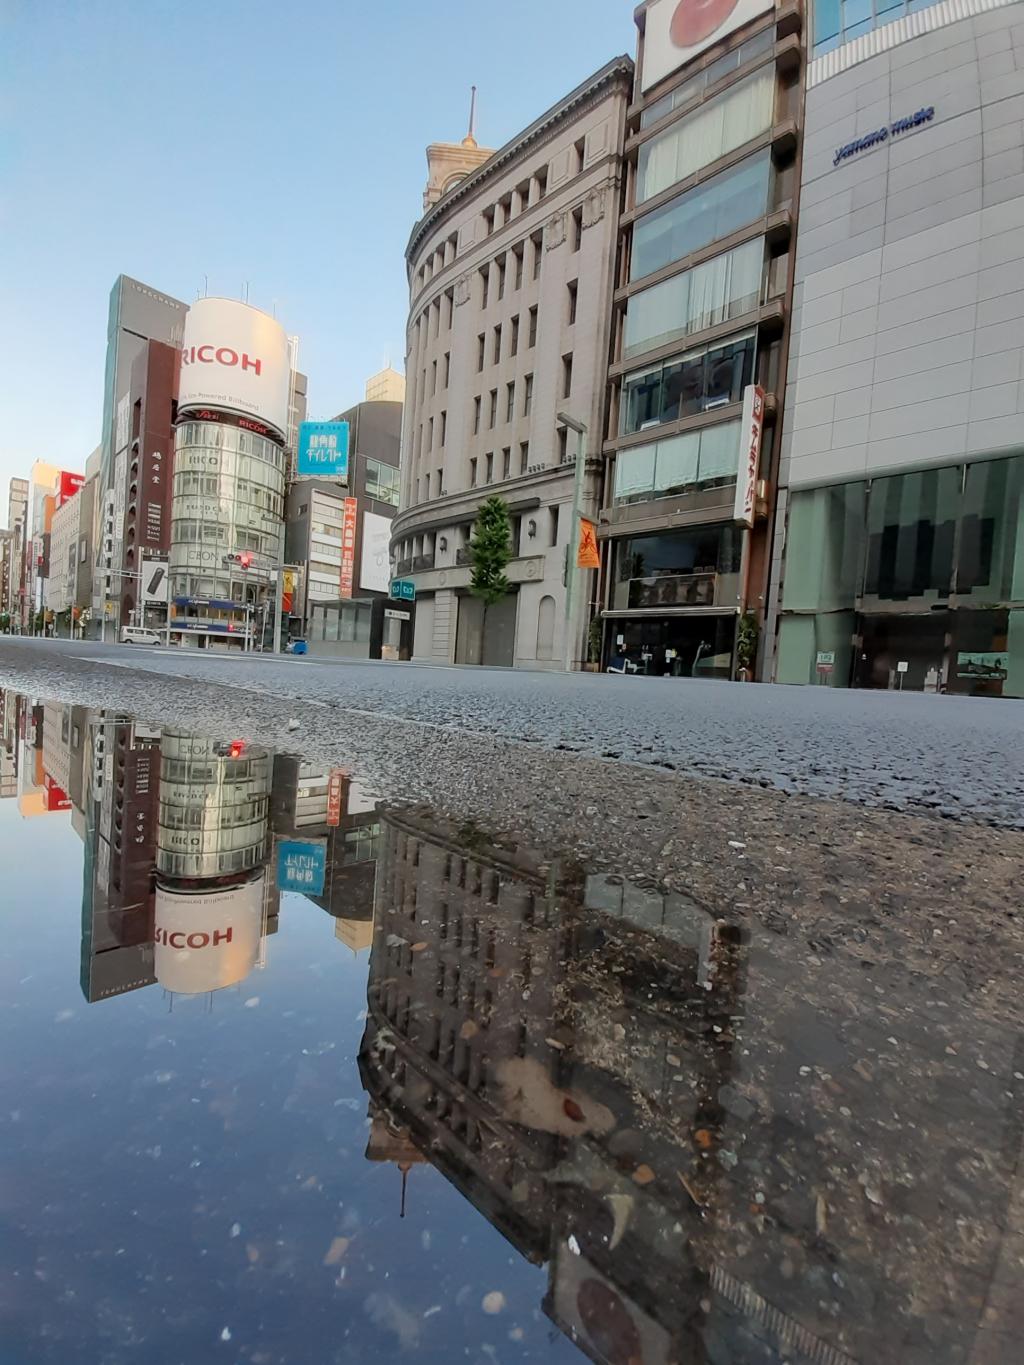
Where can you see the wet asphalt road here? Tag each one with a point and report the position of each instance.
(958, 757)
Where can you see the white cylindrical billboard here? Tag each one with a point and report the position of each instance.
(207, 940)
(235, 358)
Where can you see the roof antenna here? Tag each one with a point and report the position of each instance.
(470, 139)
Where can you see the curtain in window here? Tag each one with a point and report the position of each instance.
(677, 463)
(735, 117)
(710, 294)
(720, 451)
(634, 473)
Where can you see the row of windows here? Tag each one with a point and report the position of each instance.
(383, 482)
(840, 21)
(708, 377)
(678, 465)
(215, 436)
(757, 46)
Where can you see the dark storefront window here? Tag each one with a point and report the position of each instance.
(990, 565)
(709, 377)
(701, 215)
(911, 535)
(692, 568)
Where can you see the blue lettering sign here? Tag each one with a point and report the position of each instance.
(302, 865)
(880, 135)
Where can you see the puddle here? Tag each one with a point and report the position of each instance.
(297, 1076)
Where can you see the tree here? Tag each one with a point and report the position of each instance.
(491, 548)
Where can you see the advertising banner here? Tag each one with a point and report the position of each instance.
(156, 470)
(69, 485)
(587, 554)
(155, 583)
(751, 432)
(288, 577)
(676, 31)
(209, 940)
(235, 357)
(375, 568)
(335, 794)
(302, 865)
(323, 450)
(348, 548)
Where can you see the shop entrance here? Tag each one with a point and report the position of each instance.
(902, 647)
(673, 646)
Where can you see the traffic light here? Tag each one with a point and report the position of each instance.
(245, 560)
(237, 748)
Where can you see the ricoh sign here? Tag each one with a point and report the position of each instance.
(203, 941)
(234, 359)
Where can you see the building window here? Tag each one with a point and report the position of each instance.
(566, 375)
(524, 456)
(444, 426)
(758, 46)
(493, 409)
(580, 154)
(510, 401)
(485, 284)
(527, 395)
(518, 253)
(497, 345)
(506, 463)
(553, 524)
(450, 301)
(537, 242)
(488, 217)
(433, 379)
(440, 482)
(447, 368)
(501, 277)
(678, 465)
(513, 345)
(476, 416)
(715, 209)
(720, 289)
(577, 229)
(706, 378)
(678, 568)
(489, 457)
(430, 434)
(533, 328)
(563, 444)
(383, 482)
(540, 182)
(472, 472)
(481, 351)
(573, 290)
(742, 113)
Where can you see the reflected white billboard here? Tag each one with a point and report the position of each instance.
(375, 568)
(676, 31)
(207, 940)
(235, 358)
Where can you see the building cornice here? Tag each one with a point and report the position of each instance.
(620, 69)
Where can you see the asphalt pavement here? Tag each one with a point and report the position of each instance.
(958, 757)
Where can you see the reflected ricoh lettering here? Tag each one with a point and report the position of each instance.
(177, 938)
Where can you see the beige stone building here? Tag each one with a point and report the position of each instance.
(386, 387)
(511, 277)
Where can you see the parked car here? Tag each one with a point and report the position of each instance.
(138, 635)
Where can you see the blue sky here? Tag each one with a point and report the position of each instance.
(279, 142)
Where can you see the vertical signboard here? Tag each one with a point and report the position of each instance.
(153, 489)
(751, 431)
(335, 791)
(348, 548)
(287, 592)
(375, 569)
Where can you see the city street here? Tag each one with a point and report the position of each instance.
(959, 757)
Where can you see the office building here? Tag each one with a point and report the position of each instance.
(900, 544)
(227, 512)
(386, 387)
(319, 509)
(138, 315)
(698, 339)
(511, 276)
(17, 509)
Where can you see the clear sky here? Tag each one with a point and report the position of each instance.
(278, 142)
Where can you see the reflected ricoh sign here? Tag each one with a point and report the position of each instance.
(204, 941)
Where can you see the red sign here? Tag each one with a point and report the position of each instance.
(56, 797)
(348, 547)
(70, 484)
(335, 788)
(751, 431)
(221, 355)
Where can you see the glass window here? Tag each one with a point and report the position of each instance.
(741, 113)
(692, 220)
(706, 296)
(991, 556)
(677, 465)
(693, 567)
(732, 61)
(709, 377)
(911, 533)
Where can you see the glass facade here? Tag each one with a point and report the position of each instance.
(720, 206)
(840, 21)
(757, 46)
(735, 117)
(918, 568)
(681, 464)
(382, 482)
(708, 295)
(214, 809)
(695, 567)
(228, 498)
(708, 377)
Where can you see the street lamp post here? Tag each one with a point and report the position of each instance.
(580, 428)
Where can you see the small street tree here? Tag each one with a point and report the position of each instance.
(492, 549)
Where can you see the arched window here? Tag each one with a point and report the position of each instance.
(546, 629)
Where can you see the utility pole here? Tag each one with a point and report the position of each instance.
(580, 428)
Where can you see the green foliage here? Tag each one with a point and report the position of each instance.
(747, 636)
(491, 547)
(594, 640)
(5, 621)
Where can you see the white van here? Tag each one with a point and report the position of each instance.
(138, 635)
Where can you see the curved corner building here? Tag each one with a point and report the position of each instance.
(227, 513)
(900, 534)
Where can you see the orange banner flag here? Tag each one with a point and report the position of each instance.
(588, 556)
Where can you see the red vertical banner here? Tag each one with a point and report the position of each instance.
(348, 547)
(335, 790)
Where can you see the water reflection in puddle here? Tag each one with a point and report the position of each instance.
(516, 1111)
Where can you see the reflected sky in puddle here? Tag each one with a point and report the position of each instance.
(452, 1100)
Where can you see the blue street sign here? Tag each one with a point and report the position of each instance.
(403, 590)
(301, 865)
(323, 450)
